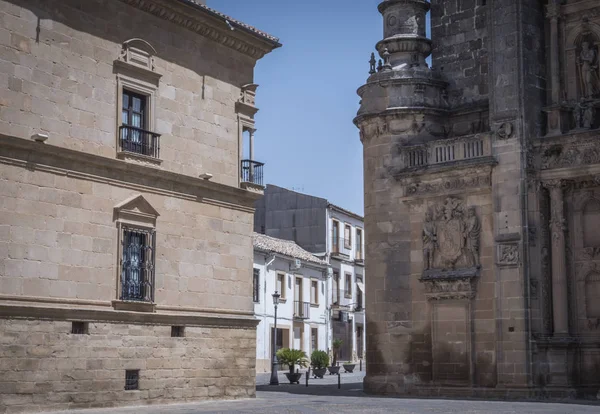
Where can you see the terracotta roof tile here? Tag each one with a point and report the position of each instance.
(285, 247)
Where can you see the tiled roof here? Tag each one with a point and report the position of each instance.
(285, 247)
(252, 29)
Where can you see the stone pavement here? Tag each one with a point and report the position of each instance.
(323, 396)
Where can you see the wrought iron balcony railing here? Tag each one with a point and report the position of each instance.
(139, 141)
(252, 172)
(301, 310)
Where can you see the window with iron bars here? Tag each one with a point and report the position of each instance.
(137, 264)
(256, 286)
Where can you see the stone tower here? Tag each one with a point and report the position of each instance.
(482, 182)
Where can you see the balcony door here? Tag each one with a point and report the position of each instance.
(335, 237)
(298, 290)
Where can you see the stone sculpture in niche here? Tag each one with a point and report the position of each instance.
(451, 236)
(472, 235)
(429, 240)
(588, 67)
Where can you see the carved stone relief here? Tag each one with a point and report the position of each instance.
(451, 249)
(448, 184)
(568, 155)
(508, 254)
(451, 234)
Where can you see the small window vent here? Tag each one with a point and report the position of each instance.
(177, 331)
(132, 379)
(79, 328)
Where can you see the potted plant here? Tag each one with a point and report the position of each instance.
(292, 357)
(349, 367)
(334, 368)
(319, 360)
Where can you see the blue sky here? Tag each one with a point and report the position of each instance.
(307, 94)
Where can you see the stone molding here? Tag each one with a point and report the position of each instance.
(244, 41)
(91, 167)
(40, 312)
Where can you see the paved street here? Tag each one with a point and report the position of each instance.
(323, 396)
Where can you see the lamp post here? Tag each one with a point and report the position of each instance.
(274, 363)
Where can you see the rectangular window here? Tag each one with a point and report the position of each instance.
(335, 237)
(177, 331)
(79, 328)
(281, 284)
(314, 292)
(359, 255)
(132, 379)
(256, 286)
(348, 285)
(134, 135)
(347, 236)
(137, 264)
(314, 339)
(336, 288)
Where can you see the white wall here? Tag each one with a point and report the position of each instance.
(347, 265)
(264, 309)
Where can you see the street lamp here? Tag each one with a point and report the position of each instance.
(274, 363)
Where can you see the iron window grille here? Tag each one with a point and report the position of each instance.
(256, 286)
(132, 379)
(137, 264)
(177, 331)
(252, 172)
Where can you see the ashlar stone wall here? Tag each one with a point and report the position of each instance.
(61, 80)
(59, 239)
(46, 367)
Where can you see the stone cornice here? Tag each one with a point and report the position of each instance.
(18, 311)
(44, 157)
(210, 24)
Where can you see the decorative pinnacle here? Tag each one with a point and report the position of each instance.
(379, 66)
(386, 59)
(372, 63)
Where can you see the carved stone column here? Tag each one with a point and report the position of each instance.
(557, 116)
(560, 309)
(552, 13)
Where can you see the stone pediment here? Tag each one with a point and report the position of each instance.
(136, 209)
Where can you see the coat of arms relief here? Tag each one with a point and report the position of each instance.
(451, 244)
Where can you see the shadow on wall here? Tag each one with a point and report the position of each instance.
(118, 22)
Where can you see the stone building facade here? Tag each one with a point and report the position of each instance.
(126, 211)
(482, 199)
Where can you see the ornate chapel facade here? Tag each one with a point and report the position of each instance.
(482, 199)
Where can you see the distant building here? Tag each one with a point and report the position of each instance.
(300, 278)
(336, 236)
(126, 204)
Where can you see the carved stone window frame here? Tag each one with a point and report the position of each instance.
(135, 212)
(135, 72)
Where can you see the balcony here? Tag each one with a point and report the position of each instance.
(447, 151)
(340, 248)
(251, 175)
(359, 258)
(139, 141)
(301, 310)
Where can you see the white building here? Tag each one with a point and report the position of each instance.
(301, 279)
(345, 254)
